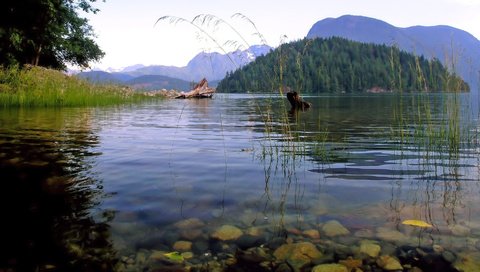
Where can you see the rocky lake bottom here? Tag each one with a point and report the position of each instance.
(219, 185)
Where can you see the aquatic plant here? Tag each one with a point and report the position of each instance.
(40, 87)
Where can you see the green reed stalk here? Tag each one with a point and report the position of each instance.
(40, 87)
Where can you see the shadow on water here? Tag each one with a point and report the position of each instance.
(46, 200)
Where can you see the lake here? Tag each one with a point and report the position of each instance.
(240, 183)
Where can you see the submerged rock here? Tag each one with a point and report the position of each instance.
(190, 223)
(333, 228)
(248, 241)
(351, 264)
(370, 248)
(468, 262)
(191, 234)
(182, 246)
(364, 233)
(330, 268)
(312, 234)
(389, 263)
(391, 235)
(298, 255)
(227, 232)
(459, 230)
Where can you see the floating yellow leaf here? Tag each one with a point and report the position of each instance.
(174, 256)
(417, 223)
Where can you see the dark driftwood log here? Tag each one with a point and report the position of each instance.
(297, 102)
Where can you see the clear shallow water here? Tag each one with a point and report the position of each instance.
(97, 189)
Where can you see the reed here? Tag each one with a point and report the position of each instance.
(41, 87)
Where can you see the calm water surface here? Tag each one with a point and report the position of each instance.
(107, 188)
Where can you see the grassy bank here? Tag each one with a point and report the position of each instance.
(40, 87)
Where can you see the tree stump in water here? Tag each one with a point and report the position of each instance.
(297, 102)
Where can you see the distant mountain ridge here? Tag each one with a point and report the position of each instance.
(455, 48)
(213, 66)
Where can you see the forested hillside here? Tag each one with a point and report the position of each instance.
(337, 65)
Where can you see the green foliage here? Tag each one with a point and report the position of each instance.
(336, 65)
(48, 33)
(40, 87)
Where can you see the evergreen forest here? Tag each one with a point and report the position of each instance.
(337, 65)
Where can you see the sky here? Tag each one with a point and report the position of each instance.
(128, 31)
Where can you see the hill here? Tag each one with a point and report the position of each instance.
(104, 77)
(337, 65)
(456, 49)
(144, 82)
(156, 82)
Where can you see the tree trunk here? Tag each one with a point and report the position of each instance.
(36, 59)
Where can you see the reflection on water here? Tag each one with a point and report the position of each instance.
(237, 182)
(48, 193)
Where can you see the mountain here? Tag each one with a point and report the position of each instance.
(338, 65)
(456, 49)
(145, 82)
(213, 66)
(156, 82)
(104, 77)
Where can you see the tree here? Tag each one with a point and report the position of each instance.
(337, 65)
(48, 33)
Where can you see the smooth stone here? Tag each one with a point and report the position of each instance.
(297, 255)
(187, 255)
(157, 255)
(182, 246)
(294, 231)
(333, 228)
(190, 223)
(438, 248)
(227, 232)
(254, 231)
(391, 235)
(191, 234)
(459, 230)
(351, 264)
(330, 268)
(364, 233)
(448, 256)
(389, 263)
(468, 262)
(312, 234)
(248, 241)
(371, 248)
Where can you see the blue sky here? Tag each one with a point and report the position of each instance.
(126, 29)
